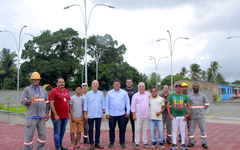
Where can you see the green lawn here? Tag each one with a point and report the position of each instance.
(22, 109)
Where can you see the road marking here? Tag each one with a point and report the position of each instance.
(222, 113)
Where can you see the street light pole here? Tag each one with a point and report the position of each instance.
(86, 23)
(171, 48)
(18, 49)
(156, 65)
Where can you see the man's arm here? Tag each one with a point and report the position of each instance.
(188, 114)
(51, 104)
(168, 110)
(133, 107)
(127, 103)
(205, 102)
(71, 114)
(107, 106)
(163, 109)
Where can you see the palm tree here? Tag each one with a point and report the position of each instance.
(7, 66)
(183, 71)
(215, 67)
(194, 72)
(210, 75)
(203, 75)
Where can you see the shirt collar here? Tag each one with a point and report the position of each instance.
(36, 89)
(155, 98)
(120, 90)
(143, 93)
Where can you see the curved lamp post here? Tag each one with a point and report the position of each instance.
(156, 65)
(171, 48)
(86, 23)
(18, 49)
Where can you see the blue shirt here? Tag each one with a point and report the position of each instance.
(94, 103)
(117, 102)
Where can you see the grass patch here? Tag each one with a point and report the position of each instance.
(22, 109)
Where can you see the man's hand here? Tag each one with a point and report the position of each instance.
(158, 113)
(103, 115)
(73, 119)
(127, 115)
(85, 117)
(171, 117)
(56, 117)
(46, 117)
(134, 117)
(185, 117)
(33, 99)
(107, 116)
(189, 118)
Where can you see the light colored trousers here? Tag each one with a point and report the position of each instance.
(141, 122)
(175, 122)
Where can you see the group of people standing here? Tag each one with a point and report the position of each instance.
(141, 107)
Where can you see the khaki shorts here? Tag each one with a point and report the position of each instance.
(78, 123)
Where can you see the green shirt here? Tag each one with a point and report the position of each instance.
(178, 104)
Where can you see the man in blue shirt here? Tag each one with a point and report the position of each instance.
(94, 110)
(116, 101)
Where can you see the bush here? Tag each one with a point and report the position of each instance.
(215, 97)
(1, 106)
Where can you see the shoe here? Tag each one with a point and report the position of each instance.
(169, 142)
(190, 145)
(174, 146)
(80, 147)
(71, 148)
(122, 145)
(99, 146)
(92, 146)
(137, 146)
(154, 145)
(59, 148)
(205, 146)
(111, 145)
(183, 146)
(146, 145)
(86, 141)
(63, 148)
(161, 145)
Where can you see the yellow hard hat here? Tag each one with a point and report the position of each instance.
(35, 75)
(185, 84)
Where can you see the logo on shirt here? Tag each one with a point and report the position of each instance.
(178, 102)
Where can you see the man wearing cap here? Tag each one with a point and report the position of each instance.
(198, 103)
(165, 116)
(35, 97)
(178, 115)
(185, 91)
(85, 126)
(58, 102)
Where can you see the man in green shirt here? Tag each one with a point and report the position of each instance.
(177, 102)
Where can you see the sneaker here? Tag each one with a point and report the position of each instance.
(111, 145)
(161, 145)
(122, 145)
(183, 146)
(190, 145)
(154, 145)
(205, 146)
(137, 146)
(146, 145)
(174, 146)
(63, 148)
(169, 142)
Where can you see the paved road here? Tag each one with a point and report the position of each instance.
(224, 111)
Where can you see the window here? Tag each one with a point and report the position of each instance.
(223, 91)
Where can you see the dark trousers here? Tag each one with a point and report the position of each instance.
(121, 124)
(97, 129)
(85, 127)
(132, 123)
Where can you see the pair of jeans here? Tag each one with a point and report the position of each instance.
(121, 124)
(97, 129)
(132, 123)
(152, 125)
(59, 128)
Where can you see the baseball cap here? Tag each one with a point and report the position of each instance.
(185, 84)
(178, 85)
(84, 84)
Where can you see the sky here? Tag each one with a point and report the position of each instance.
(139, 24)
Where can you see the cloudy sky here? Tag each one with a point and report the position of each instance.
(138, 24)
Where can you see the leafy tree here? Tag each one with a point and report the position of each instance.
(194, 71)
(210, 75)
(183, 71)
(9, 84)
(53, 55)
(203, 75)
(236, 82)
(220, 79)
(7, 66)
(215, 67)
(152, 80)
(167, 79)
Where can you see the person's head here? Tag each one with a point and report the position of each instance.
(154, 92)
(165, 88)
(129, 83)
(84, 87)
(78, 89)
(60, 83)
(178, 88)
(141, 87)
(184, 87)
(195, 87)
(95, 85)
(116, 85)
(35, 78)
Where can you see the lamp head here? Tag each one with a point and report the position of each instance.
(187, 38)
(111, 7)
(229, 37)
(150, 57)
(66, 7)
(168, 31)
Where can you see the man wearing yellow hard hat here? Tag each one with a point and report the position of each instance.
(35, 97)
